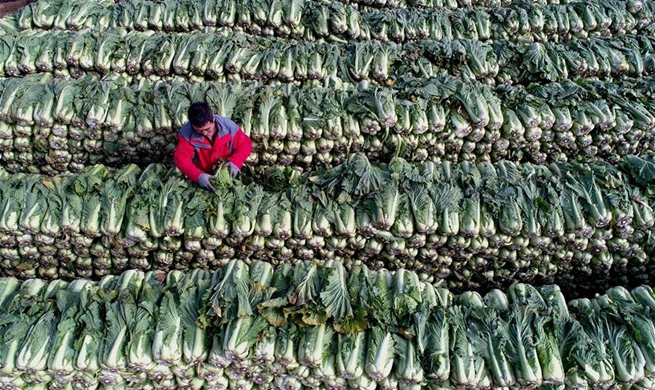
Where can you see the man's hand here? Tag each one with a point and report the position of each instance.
(233, 169)
(203, 181)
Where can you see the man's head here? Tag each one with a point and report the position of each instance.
(201, 118)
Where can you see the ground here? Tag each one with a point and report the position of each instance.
(9, 6)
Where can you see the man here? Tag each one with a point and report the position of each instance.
(205, 140)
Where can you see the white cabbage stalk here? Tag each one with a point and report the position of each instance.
(286, 348)
(167, 344)
(35, 206)
(264, 349)
(408, 369)
(71, 301)
(33, 353)
(314, 345)
(351, 355)
(193, 287)
(380, 354)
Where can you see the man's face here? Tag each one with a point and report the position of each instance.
(207, 129)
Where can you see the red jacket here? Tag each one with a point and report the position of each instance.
(196, 154)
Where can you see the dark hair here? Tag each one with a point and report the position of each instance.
(199, 114)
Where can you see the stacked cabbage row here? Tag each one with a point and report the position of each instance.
(631, 5)
(481, 225)
(316, 326)
(317, 20)
(430, 85)
(55, 125)
(225, 55)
